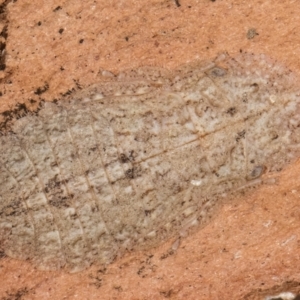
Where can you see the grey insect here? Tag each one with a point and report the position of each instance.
(127, 164)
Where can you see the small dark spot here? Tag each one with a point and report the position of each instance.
(148, 212)
(62, 68)
(251, 33)
(2, 56)
(57, 8)
(252, 161)
(2, 66)
(41, 90)
(81, 41)
(118, 288)
(19, 111)
(2, 254)
(39, 23)
(102, 271)
(78, 85)
(16, 295)
(167, 294)
(240, 135)
(3, 6)
(123, 158)
(167, 254)
(126, 38)
(255, 87)
(130, 173)
(4, 33)
(61, 30)
(231, 111)
(177, 3)
(68, 92)
(2, 46)
(140, 271)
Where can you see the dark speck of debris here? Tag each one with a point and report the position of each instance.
(2, 66)
(20, 111)
(177, 3)
(2, 46)
(231, 111)
(41, 90)
(4, 32)
(61, 30)
(16, 295)
(57, 8)
(81, 41)
(39, 23)
(126, 38)
(251, 33)
(77, 84)
(123, 158)
(68, 92)
(167, 294)
(240, 135)
(130, 173)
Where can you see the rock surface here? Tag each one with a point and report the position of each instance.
(251, 248)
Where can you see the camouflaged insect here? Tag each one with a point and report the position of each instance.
(128, 163)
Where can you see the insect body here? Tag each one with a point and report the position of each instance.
(129, 163)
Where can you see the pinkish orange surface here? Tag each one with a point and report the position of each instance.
(252, 246)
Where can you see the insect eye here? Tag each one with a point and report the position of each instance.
(218, 72)
(256, 172)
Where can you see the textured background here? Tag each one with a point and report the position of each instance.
(251, 248)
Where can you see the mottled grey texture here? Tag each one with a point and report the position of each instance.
(128, 163)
